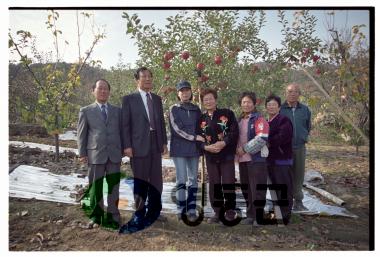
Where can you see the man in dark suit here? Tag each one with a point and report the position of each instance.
(100, 146)
(144, 140)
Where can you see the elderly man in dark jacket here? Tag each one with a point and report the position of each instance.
(300, 116)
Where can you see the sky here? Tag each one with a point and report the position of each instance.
(117, 41)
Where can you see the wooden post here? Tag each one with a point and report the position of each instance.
(203, 183)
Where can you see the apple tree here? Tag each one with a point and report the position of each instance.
(54, 82)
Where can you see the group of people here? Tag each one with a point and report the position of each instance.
(270, 150)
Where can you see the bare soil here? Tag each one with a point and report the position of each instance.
(46, 226)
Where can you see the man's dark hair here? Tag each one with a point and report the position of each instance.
(108, 84)
(273, 97)
(207, 91)
(137, 72)
(250, 95)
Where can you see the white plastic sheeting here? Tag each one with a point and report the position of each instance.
(68, 135)
(48, 148)
(33, 182)
(313, 177)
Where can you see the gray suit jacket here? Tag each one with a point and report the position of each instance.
(99, 140)
(136, 127)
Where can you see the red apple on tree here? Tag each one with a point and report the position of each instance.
(204, 78)
(315, 58)
(218, 60)
(185, 55)
(166, 65)
(200, 66)
(168, 56)
(306, 51)
(318, 71)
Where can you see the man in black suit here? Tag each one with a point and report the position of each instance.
(144, 140)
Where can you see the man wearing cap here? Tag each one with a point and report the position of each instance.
(184, 117)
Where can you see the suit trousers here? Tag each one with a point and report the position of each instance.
(221, 177)
(147, 181)
(96, 174)
(251, 175)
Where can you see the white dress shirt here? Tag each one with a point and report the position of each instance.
(143, 96)
(100, 106)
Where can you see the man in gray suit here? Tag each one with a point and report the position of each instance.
(144, 140)
(99, 144)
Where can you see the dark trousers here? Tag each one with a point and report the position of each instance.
(282, 175)
(221, 177)
(147, 179)
(251, 175)
(298, 171)
(96, 174)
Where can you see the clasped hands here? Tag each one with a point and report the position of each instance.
(216, 147)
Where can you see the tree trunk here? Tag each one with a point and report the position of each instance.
(56, 134)
(56, 139)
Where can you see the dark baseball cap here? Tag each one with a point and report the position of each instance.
(183, 84)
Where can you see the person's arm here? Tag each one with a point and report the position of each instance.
(233, 132)
(200, 143)
(126, 126)
(308, 122)
(163, 127)
(82, 135)
(120, 130)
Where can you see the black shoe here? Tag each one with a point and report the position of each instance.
(124, 229)
(134, 225)
(150, 218)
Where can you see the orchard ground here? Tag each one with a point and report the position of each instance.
(47, 226)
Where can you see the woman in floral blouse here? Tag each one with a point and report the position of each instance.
(220, 130)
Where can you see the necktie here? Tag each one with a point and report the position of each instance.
(104, 113)
(150, 109)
